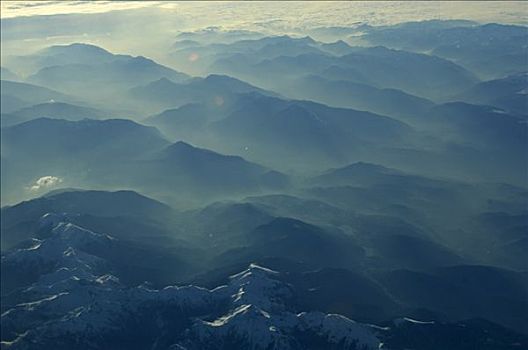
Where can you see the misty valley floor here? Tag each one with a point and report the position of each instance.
(341, 187)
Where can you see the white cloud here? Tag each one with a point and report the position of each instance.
(32, 8)
(45, 182)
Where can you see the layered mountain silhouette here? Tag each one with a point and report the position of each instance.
(57, 110)
(302, 131)
(507, 93)
(379, 66)
(215, 91)
(187, 170)
(30, 94)
(73, 151)
(129, 148)
(89, 71)
(491, 50)
(261, 185)
(350, 94)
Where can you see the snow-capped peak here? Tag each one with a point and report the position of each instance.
(50, 220)
(259, 319)
(259, 286)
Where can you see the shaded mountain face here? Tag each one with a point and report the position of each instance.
(299, 241)
(438, 209)
(509, 302)
(200, 173)
(500, 136)
(433, 335)
(223, 225)
(62, 140)
(183, 123)
(295, 242)
(481, 124)
(509, 93)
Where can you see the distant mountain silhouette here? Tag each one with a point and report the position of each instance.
(298, 131)
(32, 94)
(89, 71)
(492, 50)
(57, 110)
(379, 66)
(121, 73)
(6, 74)
(216, 91)
(509, 93)
(189, 170)
(349, 94)
(10, 103)
(74, 151)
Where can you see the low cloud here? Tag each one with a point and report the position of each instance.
(45, 182)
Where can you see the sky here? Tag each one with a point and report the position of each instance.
(30, 8)
(294, 12)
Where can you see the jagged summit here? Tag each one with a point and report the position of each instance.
(82, 304)
(255, 269)
(259, 287)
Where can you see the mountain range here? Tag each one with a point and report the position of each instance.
(262, 185)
